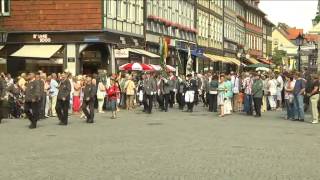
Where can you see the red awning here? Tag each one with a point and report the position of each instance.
(265, 61)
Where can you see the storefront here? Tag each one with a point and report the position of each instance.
(230, 52)
(78, 52)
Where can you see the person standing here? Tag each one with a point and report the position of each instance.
(89, 93)
(53, 94)
(213, 94)
(101, 94)
(280, 84)
(173, 90)
(235, 81)
(289, 97)
(63, 99)
(32, 100)
(228, 96)
(180, 92)
(272, 90)
(113, 94)
(298, 92)
(3, 98)
(247, 85)
(130, 93)
(314, 98)
(150, 89)
(257, 92)
(190, 91)
(165, 88)
(221, 95)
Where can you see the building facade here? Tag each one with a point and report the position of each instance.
(173, 20)
(88, 35)
(210, 31)
(254, 29)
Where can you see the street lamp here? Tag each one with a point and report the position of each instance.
(299, 42)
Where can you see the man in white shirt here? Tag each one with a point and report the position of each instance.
(236, 89)
(279, 90)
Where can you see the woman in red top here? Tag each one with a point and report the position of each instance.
(113, 94)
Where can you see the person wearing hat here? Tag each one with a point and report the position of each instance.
(63, 99)
(150, 89)
(190, 89)
(257, 93)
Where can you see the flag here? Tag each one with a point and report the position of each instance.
(163, 50)
(189, 62)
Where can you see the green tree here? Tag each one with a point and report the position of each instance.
(278, 55)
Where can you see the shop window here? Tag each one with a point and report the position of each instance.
(5, 7)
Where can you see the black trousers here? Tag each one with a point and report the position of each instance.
(62, 110)
(148, 103)
(32, 112)
(257, 105)
(180, 100)
(166, 98)
(89, 113)
(212, 102)
(172, 99)
(190, 106)
(42, 106)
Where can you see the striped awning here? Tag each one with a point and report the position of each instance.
(234, 61)
(216, 58)
(253, 61)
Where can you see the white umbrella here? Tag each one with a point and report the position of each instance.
(262, 69)
(135, 67)
(158, 67)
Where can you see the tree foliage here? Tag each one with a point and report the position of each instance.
(278, 55)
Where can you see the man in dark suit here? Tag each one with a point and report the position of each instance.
(63, 99)
(165, 86)
(190, 92)
(32, 100)
(173, 89)
(89, 93)
(150, 89)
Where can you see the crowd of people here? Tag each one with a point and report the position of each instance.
(38, 95)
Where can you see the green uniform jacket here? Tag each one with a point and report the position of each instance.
(257, 88)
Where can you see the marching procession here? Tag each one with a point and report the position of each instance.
(39, 96)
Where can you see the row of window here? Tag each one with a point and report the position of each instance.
(124, 15)
(254, 42)
(177, 11)
(230, 4)
(240, 35)
(209, 29)
(240, 10)
(129, 10)
(230, 30)
(214, 5)
(254, 19)
(169, 31)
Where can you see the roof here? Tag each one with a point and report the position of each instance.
(293, 33)
(312, 37)
(268, 22)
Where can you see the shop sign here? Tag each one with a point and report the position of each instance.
(43, 38)
(121, 53)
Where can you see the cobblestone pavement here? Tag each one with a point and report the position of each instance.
(162, 146)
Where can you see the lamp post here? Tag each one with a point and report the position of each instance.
(299, 42)
(242, 55)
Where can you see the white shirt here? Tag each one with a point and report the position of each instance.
(273, 87)
(235, 84)
(280, 83)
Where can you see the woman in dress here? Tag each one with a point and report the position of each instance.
(272, 90)
(76, 95)
(101, 93)
(221, 95)
(228, 95)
